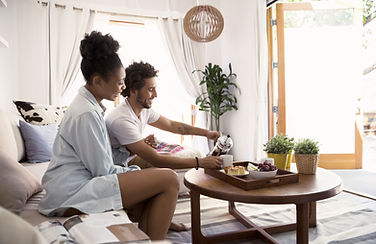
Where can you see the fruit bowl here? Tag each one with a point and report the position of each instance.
(262, 170)
(262, 174)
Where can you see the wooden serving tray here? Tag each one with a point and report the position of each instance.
(248, 183)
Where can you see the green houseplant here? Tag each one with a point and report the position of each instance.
(278, 148)
(306, 155)
(218, 99)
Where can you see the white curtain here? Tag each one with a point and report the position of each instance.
(187, 57)
(67, 28)
(261, 68)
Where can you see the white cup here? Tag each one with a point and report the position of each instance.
(227, 160)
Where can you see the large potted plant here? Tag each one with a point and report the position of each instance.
(306, 156)
(219, 98)
(278, 148)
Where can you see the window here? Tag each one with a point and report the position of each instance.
(140, 40)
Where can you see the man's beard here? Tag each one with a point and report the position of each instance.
(142, 102)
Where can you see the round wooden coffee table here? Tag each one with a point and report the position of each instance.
(303, 194)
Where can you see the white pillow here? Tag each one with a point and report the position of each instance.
(16, 230)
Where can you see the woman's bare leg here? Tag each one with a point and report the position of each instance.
(161, 187)
(141, 210)
(138, 213)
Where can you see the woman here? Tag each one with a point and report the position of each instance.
(81, 177)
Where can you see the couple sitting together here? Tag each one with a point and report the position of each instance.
(89, 171)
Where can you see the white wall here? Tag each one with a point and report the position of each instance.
(23, 66)
(32, 52)
(237, 44)
(8, 56)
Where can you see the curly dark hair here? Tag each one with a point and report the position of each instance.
(99, 55)
(136, 73)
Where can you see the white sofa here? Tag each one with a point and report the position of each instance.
(12, 143)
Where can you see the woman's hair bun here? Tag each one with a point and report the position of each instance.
(97, 46)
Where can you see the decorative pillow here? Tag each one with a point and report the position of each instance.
(38, 141)
(39, 114)
(17, 184)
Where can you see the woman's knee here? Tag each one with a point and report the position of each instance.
(170, 178)
(151, 181)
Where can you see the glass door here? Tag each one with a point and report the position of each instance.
(319, 67)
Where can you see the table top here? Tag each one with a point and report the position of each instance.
(324, 184)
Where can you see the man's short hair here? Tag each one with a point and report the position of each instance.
(136, 73)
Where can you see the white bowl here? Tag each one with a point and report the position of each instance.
(262, 174)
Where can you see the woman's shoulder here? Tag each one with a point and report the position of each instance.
(80, 111)
(80, 105)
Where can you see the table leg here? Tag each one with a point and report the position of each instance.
(305, 217)
(312, 214)
(256, 230)
(302, 222)
(195, 217)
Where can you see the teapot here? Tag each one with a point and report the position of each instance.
(222, 146)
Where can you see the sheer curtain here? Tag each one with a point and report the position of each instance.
(67, 28)
(261, 75)
(187, 57)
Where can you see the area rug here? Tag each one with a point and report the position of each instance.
(345, 218)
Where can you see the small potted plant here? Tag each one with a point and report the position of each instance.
(278, 148)
(307, 156)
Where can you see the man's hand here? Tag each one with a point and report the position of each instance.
(210, 162)
(213, 135)
(151, 141)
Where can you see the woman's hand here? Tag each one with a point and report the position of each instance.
(210, 162)
(151, 141)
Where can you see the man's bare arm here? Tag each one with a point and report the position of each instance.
(150, 155)
(183, 129)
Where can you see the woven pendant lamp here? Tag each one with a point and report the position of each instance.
(203, 23)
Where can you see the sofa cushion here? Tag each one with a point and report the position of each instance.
(14, 120)
(38, 141)
(37, 170)
(40, 114)
(30, 211)
(17, 184)
(7, 140)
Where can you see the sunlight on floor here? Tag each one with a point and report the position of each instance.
(369, 153)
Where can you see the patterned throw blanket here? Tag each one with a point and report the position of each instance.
(345, 218)
(163, 147)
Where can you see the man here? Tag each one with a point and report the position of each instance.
(126, 123)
